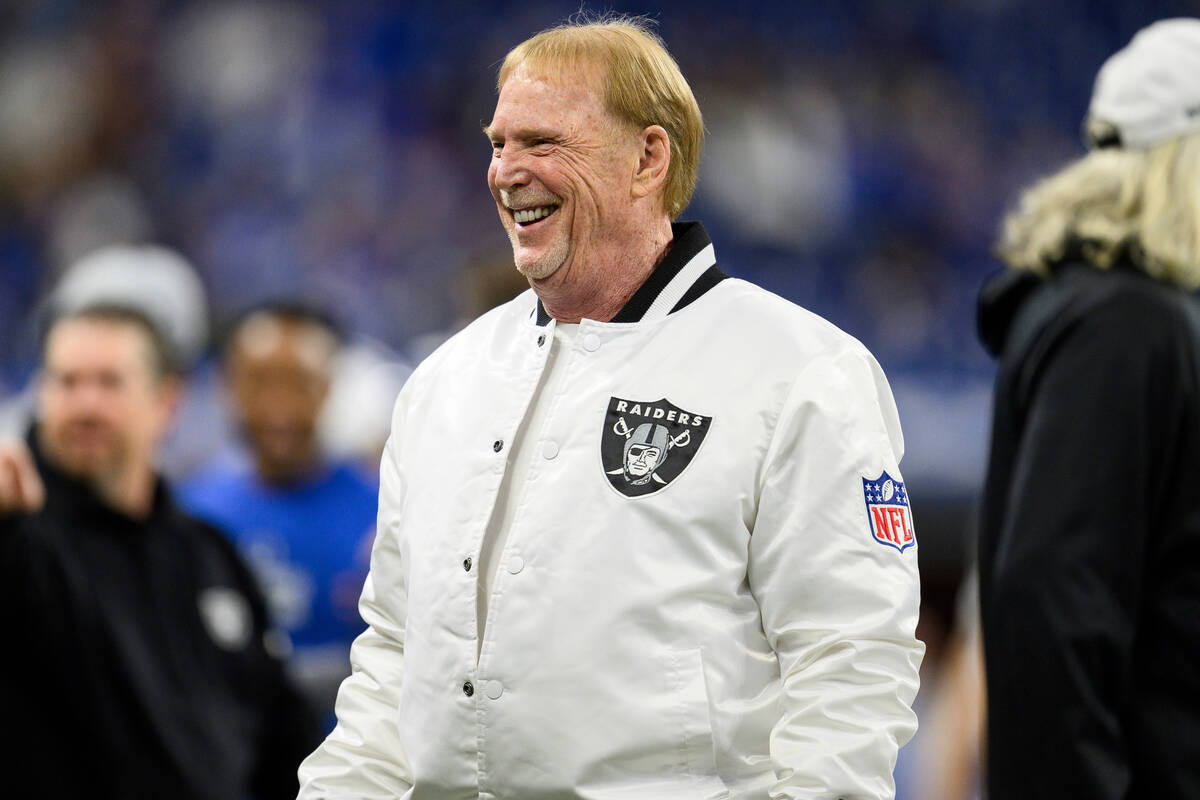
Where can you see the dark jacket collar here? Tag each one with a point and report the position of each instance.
(72, 497)
(690, 241)
(1006, 293)
(999, 300)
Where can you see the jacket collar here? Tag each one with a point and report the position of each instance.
(73, 498)
(1000, 298)
(688, 270)
(1005, 293)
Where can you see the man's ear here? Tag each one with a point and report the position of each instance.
(653, 159)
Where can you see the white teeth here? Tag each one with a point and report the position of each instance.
(532, 214)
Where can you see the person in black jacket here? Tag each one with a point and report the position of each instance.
(138, 661)
(1089, 551)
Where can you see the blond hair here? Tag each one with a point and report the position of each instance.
(643, 85)
(1144, 203)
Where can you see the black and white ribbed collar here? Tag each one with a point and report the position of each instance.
(688, 270)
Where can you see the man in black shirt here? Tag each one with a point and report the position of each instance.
(138, 660)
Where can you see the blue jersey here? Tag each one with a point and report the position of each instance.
(309, 544)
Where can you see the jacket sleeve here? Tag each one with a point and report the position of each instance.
(1062, 594)
(363, 758)
(839, 608)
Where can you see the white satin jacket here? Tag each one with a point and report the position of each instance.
(738, 625)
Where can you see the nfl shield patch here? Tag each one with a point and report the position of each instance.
(646, 444)
(888, 512)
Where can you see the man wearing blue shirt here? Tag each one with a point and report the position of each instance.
(303, 522)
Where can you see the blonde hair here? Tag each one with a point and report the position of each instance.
(643, 85)
(1144, 203)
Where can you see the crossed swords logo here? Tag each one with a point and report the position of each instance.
(622, 429)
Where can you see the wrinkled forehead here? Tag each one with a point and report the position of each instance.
(556, 97)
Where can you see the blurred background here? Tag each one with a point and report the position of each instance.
(860, 155)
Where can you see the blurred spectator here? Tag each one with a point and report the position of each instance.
(140, 662)
(304, 521)
(155, 281)
(1089, 550)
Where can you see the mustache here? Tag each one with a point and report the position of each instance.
(527, 198)
(86, 424)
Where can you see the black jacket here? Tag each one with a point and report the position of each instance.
(1089, 544)
(136, 663)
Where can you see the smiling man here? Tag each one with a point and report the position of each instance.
(620, 554)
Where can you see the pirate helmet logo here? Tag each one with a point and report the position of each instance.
(645, 450)
(646, 445)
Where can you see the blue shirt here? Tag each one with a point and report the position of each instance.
(308, 543)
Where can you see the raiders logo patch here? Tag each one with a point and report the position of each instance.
(646, 445)
(888, 512)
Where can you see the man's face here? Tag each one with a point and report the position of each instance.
(560, 173)
(102, 408)
(279, 373)
(641, 459)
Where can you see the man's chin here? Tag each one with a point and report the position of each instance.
(538, 266)
(87, 465)
(537, 270)
(284, 460)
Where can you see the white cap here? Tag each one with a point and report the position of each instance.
(1149, 91)
(152, 280)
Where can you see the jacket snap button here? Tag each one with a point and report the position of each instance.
(516, 564)
(468, 688)
(494, 689)
(498, 445)
(541, 340)
(549, 449)
(467, 564)
(591, 343)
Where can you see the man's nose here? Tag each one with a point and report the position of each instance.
(85, 397)
(279, 403)
(509, 169)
